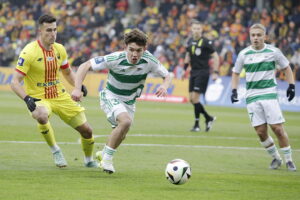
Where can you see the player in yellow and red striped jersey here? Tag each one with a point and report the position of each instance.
(39, 65)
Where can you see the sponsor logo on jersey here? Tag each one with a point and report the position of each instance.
(99, 59)
(21, 61)
(47, 84)
(50, 58)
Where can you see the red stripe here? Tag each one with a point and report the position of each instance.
(64, 66)
(21, 72)
(45, 66)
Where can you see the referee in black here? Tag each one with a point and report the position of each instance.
(199, 51)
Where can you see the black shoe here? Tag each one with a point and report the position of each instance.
(209, 123)
(275, 164)
(290, 166)
(195, 129)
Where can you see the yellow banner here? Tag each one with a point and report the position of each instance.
(95, 82)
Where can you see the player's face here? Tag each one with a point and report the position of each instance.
(197, 31)
(134, 52)
(257, 38)
(48, 32)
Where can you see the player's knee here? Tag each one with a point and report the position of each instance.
(194, 101)
(279, 131)
(85, 130)
(125, 123)
(41, 117)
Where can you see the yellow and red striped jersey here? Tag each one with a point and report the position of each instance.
(41, 69)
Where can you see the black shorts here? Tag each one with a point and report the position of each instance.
(198, 83)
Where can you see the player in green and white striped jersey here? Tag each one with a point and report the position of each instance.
(260, 62)
(128, 71)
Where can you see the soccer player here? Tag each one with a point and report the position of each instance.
(39, 65)
(199, 51)
(260, 61)
(128, 71)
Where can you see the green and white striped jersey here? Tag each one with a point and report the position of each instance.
(127, 80)
(260, 67)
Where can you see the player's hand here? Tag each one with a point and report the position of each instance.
(214, 76)
(30, 101)
(290, 93)
(161, 91)
(84, 90)
(234, 96)
(76, 94)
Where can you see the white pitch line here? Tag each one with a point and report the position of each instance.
(187, 136)
(151, 145)
(182, 136)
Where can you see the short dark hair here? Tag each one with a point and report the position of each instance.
(137, 36)
(46, 19)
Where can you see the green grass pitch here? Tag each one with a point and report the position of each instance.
(227, 163)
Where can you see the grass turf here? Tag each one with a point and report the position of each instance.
(227, 163)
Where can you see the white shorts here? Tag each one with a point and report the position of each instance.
(113, 106)
(265, 111)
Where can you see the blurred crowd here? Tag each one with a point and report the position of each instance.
(88, 28)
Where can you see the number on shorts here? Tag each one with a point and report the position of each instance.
(251, 116)
(115, 102)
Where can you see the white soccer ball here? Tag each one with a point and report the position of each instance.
(178, 171)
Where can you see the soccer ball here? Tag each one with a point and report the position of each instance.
(178, 171)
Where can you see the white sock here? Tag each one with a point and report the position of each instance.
(287, 153)
(108, 153)
(272, 150)
(88, 159)
(54, 148)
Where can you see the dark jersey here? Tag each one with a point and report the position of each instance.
(200, 51)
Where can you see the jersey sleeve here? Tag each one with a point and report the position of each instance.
(239, 63)
(282, 61)
(99, 63)
(210, 47)
(157, 69)
(24, 61)
(187, 45)
(64, 57)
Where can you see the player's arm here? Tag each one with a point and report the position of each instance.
(16, 84)
(187, 60)
(216, 63)
(69, 75)
(18, 89)
(234, 85)
(79, 78)
(290, 93)
(162, 89)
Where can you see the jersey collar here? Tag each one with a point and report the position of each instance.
(265, 46)
(40, 44)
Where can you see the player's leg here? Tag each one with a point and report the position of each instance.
(284, 145)
(198, 86)
(275, 120)
(194, 99)
(120, 116)
(202, 82)
(73, 114)
(268, 143)
(41, 114)
(80, 124)
(259, 122)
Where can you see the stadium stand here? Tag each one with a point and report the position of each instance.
(89, 28)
